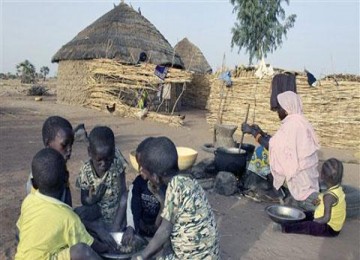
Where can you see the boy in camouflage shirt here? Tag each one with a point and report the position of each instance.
(102, 178)
(187, 219)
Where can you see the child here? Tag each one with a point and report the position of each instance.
(144, 207)
(48, 228)
(57, 133)
(330, 214)
(102, 178)
(187, 219)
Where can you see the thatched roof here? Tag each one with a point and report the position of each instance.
(193, 58)
(120, 34)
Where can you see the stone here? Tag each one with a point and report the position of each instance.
(199, 171)
(225, 183)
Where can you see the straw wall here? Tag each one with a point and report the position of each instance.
(72, 82)
(333, 110)
(197, 92)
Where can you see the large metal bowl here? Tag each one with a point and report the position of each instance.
(118, 237)
(284, 214)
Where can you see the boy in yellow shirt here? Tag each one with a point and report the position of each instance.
(48, 228)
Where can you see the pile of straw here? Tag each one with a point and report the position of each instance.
(332, 107)
(103, 82)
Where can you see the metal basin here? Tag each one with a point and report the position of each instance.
(284, 214)
(118, 237)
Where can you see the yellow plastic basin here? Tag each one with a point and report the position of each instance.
(186, 158)
(133, 161)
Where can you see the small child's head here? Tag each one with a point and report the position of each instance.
(138, 152)
(101, 149)
(57, 133)
(48, 168)
(332, 172)
(159, 158)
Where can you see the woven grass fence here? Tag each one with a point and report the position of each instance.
(103, 82)
(332, 108)
(197, 92)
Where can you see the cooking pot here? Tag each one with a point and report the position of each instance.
(230, 160)
(249, 148)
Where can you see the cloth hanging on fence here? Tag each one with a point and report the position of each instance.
(311, 79)
(166, 92)
(263, 69)
(226, 77)
(161, 71)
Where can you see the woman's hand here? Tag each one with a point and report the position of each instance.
(257, 129)
(247, 129)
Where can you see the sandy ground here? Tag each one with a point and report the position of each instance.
(245, 230)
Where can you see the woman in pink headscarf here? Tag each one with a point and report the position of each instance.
(292, 151)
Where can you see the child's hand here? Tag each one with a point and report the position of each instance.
(316, 202)
(107, 239)
(96, 196)
(100, 191)
(128, 236)
(152, 188)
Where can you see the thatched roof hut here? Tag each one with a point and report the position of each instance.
(194, 60)
(120, 34)
(100, 67)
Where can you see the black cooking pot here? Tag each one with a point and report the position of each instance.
(249, 148)
(230, 160)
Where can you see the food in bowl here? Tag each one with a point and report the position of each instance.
(186, 157)
(284, 214)
(125, 251)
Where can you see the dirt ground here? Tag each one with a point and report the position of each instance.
(245, 229)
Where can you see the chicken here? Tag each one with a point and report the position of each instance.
(182, 117)
(80, 134)
(111, 109)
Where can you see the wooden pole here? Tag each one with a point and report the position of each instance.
(242, 136)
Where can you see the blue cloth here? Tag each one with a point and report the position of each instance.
(161, 71)
(226, 77)
(310, 78)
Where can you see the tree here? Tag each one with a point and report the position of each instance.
(26, 71)
(259, 29)
(44, 71)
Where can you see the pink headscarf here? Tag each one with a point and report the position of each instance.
(294, 146)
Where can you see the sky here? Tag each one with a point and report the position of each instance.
(325, 39)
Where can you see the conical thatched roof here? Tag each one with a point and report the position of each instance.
(120, 34)
(193, 58)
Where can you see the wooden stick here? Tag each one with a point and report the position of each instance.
(242, 136)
